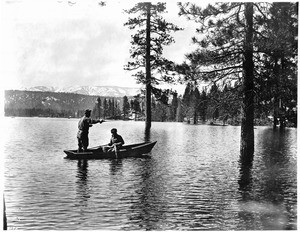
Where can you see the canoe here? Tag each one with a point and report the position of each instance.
(132, 150)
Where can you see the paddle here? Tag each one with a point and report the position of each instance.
(116, 152)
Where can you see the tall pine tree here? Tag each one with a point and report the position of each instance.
(147, 46)
(237, 36)
(226, 51)
(126, 107)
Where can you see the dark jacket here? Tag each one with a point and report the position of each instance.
(83, 126)
(116, 139)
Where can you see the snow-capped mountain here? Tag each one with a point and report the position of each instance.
(105, 91)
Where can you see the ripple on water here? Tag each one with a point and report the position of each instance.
(193, 181)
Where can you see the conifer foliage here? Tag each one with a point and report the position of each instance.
(152, 34)
(242, 42)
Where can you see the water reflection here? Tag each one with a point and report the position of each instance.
(276, 181)
(274, 160)
(245, 180)
(115, 166)
(245, 188)
(147, 210)
(83, 190)
(192, 181)
(264, 204)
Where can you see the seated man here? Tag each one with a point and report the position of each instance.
(115, 143)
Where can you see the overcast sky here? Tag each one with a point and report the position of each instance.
(72, 43)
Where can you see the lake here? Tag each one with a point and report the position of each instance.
(193, 180)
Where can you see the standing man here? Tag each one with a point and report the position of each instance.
(83, 130)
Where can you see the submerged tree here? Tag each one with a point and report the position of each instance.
(152, 33)
(226, 54)
(239, 37)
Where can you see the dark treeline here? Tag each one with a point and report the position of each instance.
(52, 104)
(38, 112)
(214, 104)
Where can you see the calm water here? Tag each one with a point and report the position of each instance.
(193, 180)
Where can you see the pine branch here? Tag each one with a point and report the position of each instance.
(221, 69)
(237, 17)
(258, 8)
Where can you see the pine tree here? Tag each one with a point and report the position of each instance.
(113, 108)
(203, 105)
(227, 52)
(179, 111)
(126, 107)
(278, 43)
(237, 36)
(196, 96)
(135, 105)
(147, 47)
(174, 106)
(191, 102)
(97, 109)
(105, 108)
(186, 101)
(160, 113)
(118, 111)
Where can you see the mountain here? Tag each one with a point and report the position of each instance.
(51, 104)
(62, 102)
(105, 91)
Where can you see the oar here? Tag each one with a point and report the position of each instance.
(116, 152)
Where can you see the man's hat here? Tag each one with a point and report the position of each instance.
(87, 111)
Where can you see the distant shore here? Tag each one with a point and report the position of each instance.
(257, 122)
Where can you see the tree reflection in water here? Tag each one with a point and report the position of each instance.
(264, 204)
(245, 189)
(147, 211)
(279, 177)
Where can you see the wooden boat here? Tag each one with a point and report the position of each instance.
(132, 150)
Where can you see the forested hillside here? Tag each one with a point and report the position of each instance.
(206, 106)
(48, 104)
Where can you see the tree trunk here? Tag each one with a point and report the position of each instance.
(276, 97)
(148, 71)
(282, 109)
(247, 130)
(99, 108)
(147, 134)
(275, 119)
(195, 118)
(178, 112)
(4, 215)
